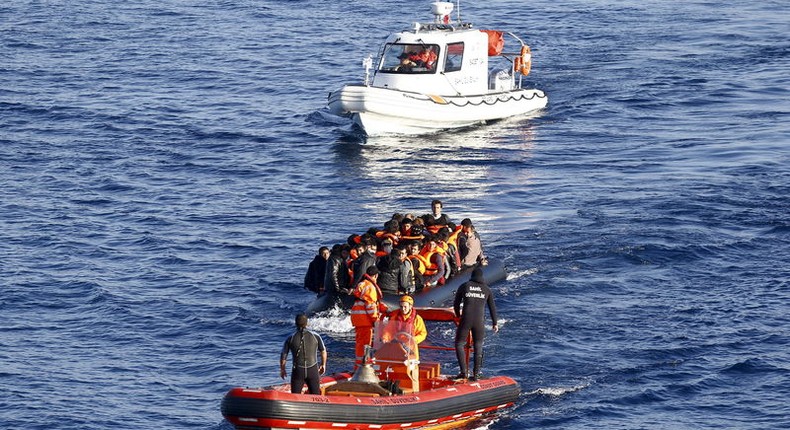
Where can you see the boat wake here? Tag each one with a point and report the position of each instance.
(556, 391)
(332, 320)
(521, 274)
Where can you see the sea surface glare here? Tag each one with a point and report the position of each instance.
(168, 172)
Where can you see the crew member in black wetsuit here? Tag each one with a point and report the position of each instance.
(304, 346)
(474, 295)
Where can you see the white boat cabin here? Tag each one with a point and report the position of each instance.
(445, 62)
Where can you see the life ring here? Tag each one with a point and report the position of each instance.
(523, 63)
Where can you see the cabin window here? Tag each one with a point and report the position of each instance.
(455, 57)
(409, 58)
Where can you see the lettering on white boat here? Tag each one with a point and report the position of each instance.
(466, 80)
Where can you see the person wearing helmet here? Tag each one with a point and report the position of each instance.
(406, 326)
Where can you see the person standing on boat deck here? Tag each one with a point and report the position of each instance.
(469, 246)
(336, 279)
(406, 320)
(304, 346)
(314, 278)
(367, 309)
(469, 304)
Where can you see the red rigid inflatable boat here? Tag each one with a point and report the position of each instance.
(403, 394)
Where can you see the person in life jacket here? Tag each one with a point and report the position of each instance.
(405, 229)
(469, 304)
(434, 273)
(367, 309)
(436, 212)
(391, 231)
(304, 345)
(425, 58)
(418, 264)
(446, 246)
(406, 321)
(384, 249)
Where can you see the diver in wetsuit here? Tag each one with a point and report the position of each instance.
(474, 295)
(304, 346)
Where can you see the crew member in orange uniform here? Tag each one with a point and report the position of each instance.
(367, 309)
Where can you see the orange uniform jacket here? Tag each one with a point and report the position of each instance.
(366, 309)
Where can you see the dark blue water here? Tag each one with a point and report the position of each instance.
(167, 174)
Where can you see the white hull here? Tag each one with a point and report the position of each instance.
(382, 111)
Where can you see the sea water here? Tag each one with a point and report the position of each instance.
(167, 172)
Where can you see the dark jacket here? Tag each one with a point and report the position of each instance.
(336, 279)
(474, 295)
(361, 265)
(393, 277)
(314, 278)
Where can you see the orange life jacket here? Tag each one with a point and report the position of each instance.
(434, 229)
(454, 236)
(431, 268)
(422, 263)
(383, 234)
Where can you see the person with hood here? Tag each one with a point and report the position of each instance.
(314, 278)
(304, 346)
(336, 279)
(469, 305)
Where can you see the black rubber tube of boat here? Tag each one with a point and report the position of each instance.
(439, 296)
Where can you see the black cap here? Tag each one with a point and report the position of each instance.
(372, 270)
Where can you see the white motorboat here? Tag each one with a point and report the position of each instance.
(440, 75)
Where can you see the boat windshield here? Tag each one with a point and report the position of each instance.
(409, 58)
